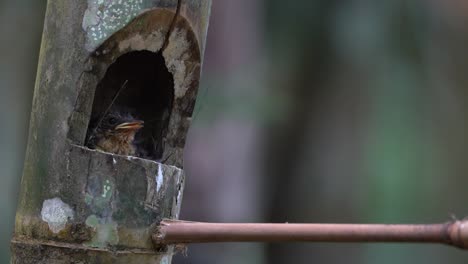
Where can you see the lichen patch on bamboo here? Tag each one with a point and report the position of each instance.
(102, 18)
(56, 213)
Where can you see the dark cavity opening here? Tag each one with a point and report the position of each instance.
(137, 85)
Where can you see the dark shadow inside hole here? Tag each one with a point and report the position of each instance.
(137, 84)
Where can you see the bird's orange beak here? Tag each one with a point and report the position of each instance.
(130, 126)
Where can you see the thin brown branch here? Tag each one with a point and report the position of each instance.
(171, 27)
(181, 232)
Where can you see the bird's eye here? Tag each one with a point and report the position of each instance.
(112, 120)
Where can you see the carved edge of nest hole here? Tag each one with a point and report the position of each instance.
(182, 57)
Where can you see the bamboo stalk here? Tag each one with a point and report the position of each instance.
(81, 205)
(453, 233)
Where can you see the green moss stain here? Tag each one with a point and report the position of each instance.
(92, 221)
(105, 232)
(101, 220)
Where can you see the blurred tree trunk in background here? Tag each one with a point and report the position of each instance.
(311, 157)
(375, 129)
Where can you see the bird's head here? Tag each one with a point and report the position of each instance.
(121, 125)
(115, 133)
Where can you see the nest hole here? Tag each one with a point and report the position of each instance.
(137, 83)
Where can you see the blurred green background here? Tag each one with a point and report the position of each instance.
(308, 111)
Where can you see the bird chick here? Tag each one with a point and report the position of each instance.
(115, 133)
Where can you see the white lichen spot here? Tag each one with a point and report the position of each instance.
(56, 213)
(106, 188)
(177, 205)
(179, 196)
(159, 178)
(114, 161)
(165, 260)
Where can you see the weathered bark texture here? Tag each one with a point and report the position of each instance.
(79, 205)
